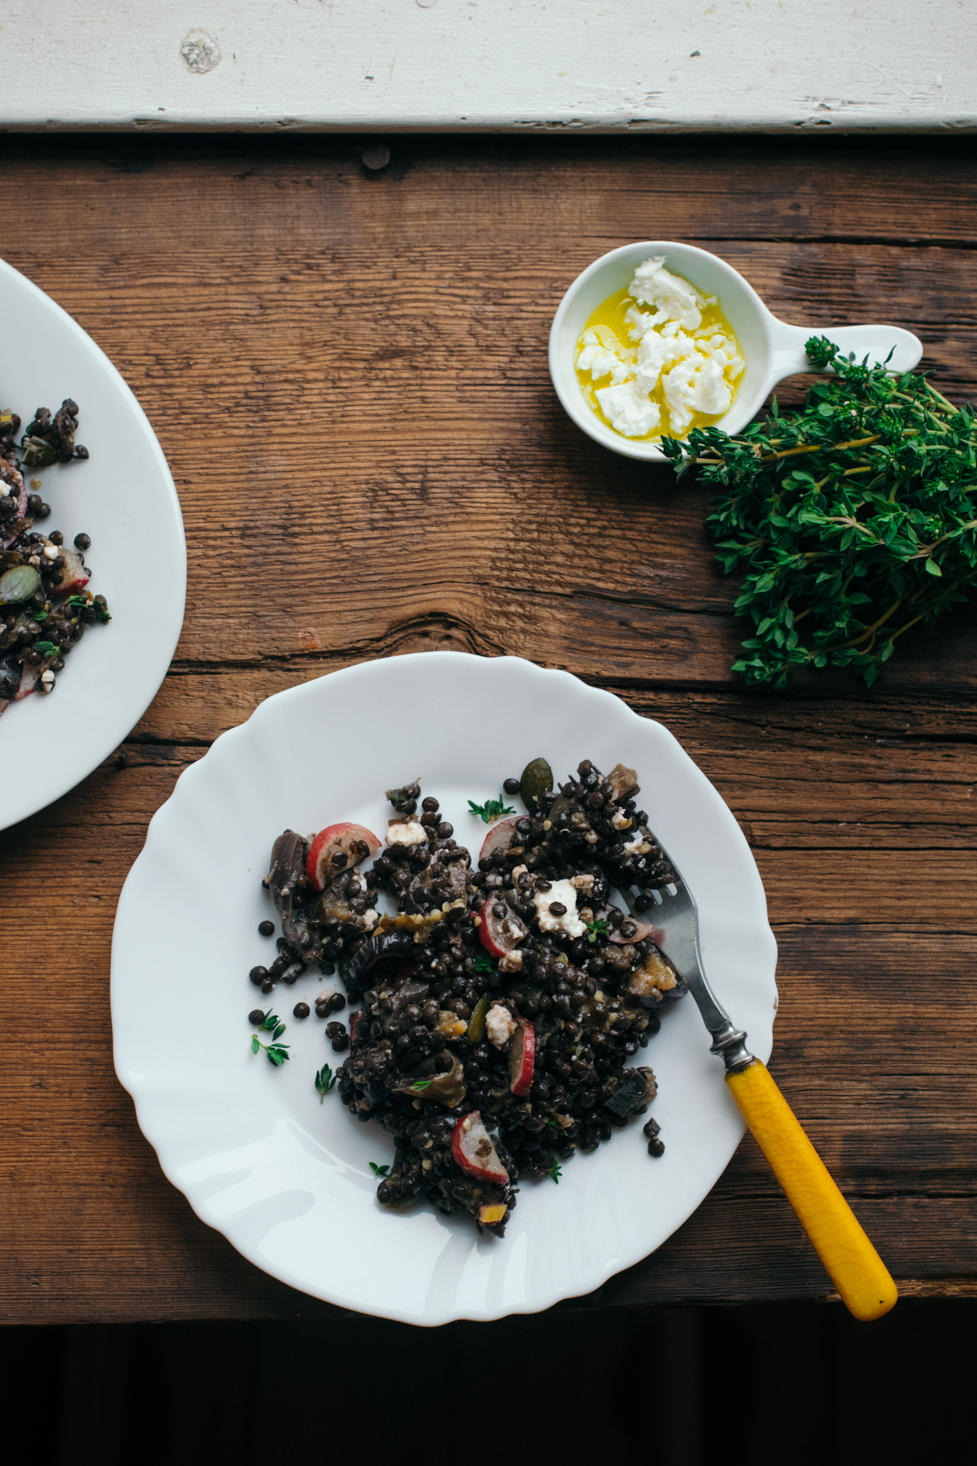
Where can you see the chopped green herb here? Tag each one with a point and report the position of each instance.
(492, 809)
(325, 1082)
(75, 601)
(850, 521)
(379, 1170)
(555, 1172)
(420, 1085)
(596, 928)
(482, 963)
(47, 648)
(40, 615)
(275, 1052)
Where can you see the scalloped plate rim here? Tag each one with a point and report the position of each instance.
(153, 1125)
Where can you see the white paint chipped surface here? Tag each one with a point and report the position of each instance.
(653, 65)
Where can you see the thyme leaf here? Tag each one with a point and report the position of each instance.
(491, 810)
(850, 521)
(379, 1170)
(599, 927)
(325, 1082)
(276, 1053)
(555, 1172)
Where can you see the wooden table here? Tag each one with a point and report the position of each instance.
(347, 372)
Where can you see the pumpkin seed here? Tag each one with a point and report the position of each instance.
(19, 584)
(537, 780)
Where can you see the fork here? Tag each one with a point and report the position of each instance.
(859, 1274)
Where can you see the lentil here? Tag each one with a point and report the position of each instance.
(419, 1051)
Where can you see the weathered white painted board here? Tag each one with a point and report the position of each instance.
(657, 65)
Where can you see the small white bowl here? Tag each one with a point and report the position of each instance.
(773, 350)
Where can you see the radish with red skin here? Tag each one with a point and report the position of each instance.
(474, 1150)
(500, 934)
(499, 838)
(522, 1057)
(74, 576)
(321, 867)
(645, 930)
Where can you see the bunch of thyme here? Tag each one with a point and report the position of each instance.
(851, 520)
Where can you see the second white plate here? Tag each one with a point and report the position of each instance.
(123, 498)
(286, 1178)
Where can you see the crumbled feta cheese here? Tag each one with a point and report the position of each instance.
(600, 360)
(517, 871)
(633, 847)
(51, 552)
(510, 962)
(694, 366)
(563, 893)
(47, 679)
(406, 832)
(370, 917)
(4, 489)
(620, 821)
(582, 882)
(629, 410)
(674, 299)
(499, 1025)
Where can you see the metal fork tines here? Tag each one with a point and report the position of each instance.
(676, 921)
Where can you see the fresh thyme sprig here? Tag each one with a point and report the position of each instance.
(483, 963)
(492, 809)
(599, 927)
(555, 1172)
(325, 1082)
(851, 521)
(275, 1052)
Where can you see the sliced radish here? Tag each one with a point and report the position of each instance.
(474, 1151)
(346, 840)
(74, 576)
(522, 1057)
(499, 838)
(645, 929)
(500, 934)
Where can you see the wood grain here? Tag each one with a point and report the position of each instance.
(347, 373)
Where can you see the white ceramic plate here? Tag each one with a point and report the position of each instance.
(123, 497)
(287, 1178)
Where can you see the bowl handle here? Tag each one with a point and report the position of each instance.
(788, 356)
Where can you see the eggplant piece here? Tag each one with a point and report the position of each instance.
(9, 680)
(17, 490)
(286, 880)
(383, 944)
(623, 782)
(449, 1088)
(633, 1096)
(10, 635)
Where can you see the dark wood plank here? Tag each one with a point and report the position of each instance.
(348, 375)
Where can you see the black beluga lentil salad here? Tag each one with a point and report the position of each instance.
(503, 1001)
(45, 607)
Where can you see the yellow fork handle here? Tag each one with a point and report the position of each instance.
(858, 1272)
